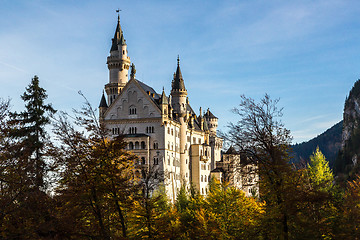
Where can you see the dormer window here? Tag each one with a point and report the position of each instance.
(132, 110)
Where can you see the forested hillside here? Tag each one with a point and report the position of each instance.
(328, 142)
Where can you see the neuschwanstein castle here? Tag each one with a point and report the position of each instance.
(164, 131)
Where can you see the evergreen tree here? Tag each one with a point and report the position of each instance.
(30, 133)
(27, 207)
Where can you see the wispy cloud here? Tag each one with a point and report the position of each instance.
(13, 67)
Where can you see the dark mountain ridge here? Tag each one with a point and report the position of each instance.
(329, 143)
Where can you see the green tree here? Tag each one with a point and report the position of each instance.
(97, 184)
(24, 142)
(320, 174)
(30, 133)
(236, 216)
(262, 137)
(319, 199)
(351, 211)
(151, 205)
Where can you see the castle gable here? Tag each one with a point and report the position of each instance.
(137, 100)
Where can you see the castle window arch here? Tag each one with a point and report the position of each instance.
(132, 130)
(143, 161)
(131, 145)
(156, 145)
(136, 145)
(156, 161)
(132, 110)
(143, 145)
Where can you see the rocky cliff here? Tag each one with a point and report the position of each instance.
(347, 160)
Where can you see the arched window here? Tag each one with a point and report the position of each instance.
(131, 145)
(156, 145)
(156, 161)
(202, 179)
(143, 161)
(143, 145)
(132, 130)
(136, 145)
(132, 110)
(172, 132)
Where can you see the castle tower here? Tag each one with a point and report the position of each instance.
(214, 141)
(102, 106)
(118, 64)
(164, 107)
(178, 92)
(179, 104)
(212, 121)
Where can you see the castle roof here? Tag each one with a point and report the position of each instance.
(209, 114)
(178, 81)
(164, 99)
(148, 90)
(231, 150)
(103, 101)
(118, 37)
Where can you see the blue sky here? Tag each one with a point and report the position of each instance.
(307, 53)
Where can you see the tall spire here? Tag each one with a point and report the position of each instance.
(178, 82)
(164, 99)
(103, 101)
(118, 36)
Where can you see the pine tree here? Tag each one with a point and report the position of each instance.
(30, 133)
(28, 209)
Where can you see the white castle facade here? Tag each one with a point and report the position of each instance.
(164, 131)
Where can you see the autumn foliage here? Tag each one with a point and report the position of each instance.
(80, 184)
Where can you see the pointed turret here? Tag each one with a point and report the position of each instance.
(118, 64)
(118, 37)
(102, 106)
(103, 101)
(164, 99)
(164, 107)
(178, 92)
(178, 82)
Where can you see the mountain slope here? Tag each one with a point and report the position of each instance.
(347, 161)
(329, 144)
